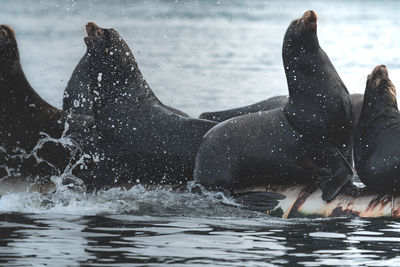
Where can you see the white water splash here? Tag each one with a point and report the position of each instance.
(135, 201)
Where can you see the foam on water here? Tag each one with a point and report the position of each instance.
(135, 201)
(67, 193)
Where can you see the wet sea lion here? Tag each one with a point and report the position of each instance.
(135, 128)
(319, 105)
(268, 104)
(280, 101)
(77, 97)
(29, 126)
(376, 139)
(272, 147)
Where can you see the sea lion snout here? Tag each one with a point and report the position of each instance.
(379, 80)
(93, 30)
(310, 19)
(379, 73)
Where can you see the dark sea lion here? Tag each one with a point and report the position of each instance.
(280, 101)
(29, 126)
(376, 139)
(268, 104)
(77, 97)
(136, 129)
(271, 147)
(319, 104)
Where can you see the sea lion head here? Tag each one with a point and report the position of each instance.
(301, 35)
(379, 86)
(8, 47)
(114, 71)
(107, 46)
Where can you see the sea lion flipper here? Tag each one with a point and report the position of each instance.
(260, 201)
(331, 187)
(339, 175)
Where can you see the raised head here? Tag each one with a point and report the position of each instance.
(380, 87)
(114, 71)
(301, 35)
(109, 49)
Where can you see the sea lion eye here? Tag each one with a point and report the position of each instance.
(3, 32)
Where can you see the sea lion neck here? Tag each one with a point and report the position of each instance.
(297, 42)
(116, 73)
(302, 56)
(15, 87)
(319, 105)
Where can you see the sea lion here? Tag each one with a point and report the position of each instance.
(376, 138)
(272, 147)
(268, 104)
(135, 128)
(77, 97)
(29, 126)
(280, 101)
(319, 105)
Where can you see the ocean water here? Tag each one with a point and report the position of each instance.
(197, 56)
